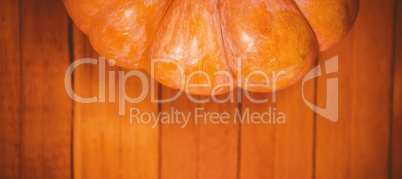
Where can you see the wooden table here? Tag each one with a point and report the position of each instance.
(45, 134)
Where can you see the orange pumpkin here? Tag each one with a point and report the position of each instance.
(206, 46)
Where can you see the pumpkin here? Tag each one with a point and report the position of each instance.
(205, 46)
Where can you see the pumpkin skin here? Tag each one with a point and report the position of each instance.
(237, 43)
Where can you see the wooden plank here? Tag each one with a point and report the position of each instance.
(140, 139)
(274, 149)
(198, 149)
(95, 135)
(294, 141)
(179, 145)
(333, 142)
(10, 89)
(357, 146)
(218, 147)
(107, 145)
(257, 141)
(46, 110)
(397, 105)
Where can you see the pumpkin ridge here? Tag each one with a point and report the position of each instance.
(240, 37)
(83, 13)
(267, 38)
(225, 56)
(190, 36)
(164, 14)
(331, 20)
(298, 9)
(126, 29)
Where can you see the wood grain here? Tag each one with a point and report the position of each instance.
(397, 101)
(219, 138)
(10, 89)
(179, 142)
(294, 141)
(106, 144)
(44, 134)
(46, 109)
(257, 142)
(198, 149)
(357, 146)
(140, 139)
(96, 128)
(275, 149)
